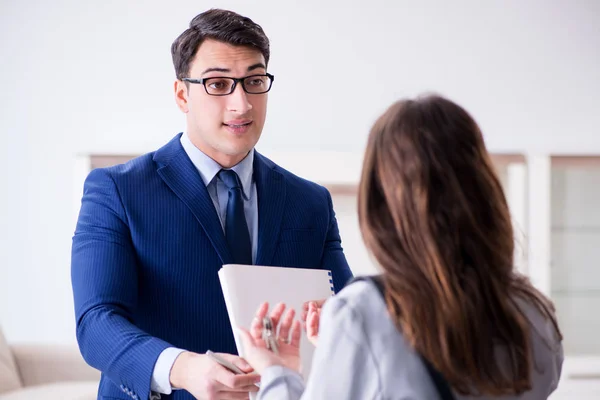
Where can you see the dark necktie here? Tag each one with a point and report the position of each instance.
(236, 228)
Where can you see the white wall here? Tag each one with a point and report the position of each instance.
(80, 77)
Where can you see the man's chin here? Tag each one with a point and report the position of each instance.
(240, 145)
(233, 155)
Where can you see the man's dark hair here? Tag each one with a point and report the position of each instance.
(222, 25)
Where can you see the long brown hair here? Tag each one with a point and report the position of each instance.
(433, 214)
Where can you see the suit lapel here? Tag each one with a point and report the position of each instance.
(180, 174)
(270, 188)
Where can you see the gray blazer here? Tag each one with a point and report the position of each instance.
(361, 355)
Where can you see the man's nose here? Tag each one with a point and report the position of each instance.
(238, 100)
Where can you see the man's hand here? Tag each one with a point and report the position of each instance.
(205, 379)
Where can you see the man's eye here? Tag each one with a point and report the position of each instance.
(218, 85)
(256, 82)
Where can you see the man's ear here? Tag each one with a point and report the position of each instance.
(181, 95)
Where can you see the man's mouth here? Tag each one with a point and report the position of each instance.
(238, 123)
(238, 126)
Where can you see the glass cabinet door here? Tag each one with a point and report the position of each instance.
(575, 251)
(575, 271)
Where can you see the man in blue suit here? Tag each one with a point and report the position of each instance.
(153, 233)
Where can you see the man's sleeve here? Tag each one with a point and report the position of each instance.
(105, 287)
(333, 255)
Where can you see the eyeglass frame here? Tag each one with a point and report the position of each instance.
(202, 81)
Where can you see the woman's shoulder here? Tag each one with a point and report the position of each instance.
(542, 325)
(359, 294)
(360, 303)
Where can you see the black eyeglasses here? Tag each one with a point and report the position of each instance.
(222, 86)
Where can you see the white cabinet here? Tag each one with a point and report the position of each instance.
(575, 253)
(575, 270)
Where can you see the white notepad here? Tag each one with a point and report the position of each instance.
(245, 287)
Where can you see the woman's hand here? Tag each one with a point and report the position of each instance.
(311, 314)
(288, 340)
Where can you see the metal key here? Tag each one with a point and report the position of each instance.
(268, 335)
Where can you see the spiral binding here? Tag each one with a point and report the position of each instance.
(331, 283)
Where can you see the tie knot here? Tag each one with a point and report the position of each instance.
(230, 179)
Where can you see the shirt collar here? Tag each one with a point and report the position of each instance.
(209, 168)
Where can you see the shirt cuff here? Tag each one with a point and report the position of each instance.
(274, 372)
(161, 376)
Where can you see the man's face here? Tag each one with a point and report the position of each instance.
(225, 128)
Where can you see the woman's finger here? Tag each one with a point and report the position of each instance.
(286, 324)
(256, 327)
(296, 334)
(312, 325)
(276, 314)
(304, 312)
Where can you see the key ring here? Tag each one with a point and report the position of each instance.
(269, 336)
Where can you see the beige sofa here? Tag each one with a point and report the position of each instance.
(34, 372)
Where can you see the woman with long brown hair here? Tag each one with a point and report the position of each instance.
(433, 215)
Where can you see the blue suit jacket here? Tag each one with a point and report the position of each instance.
(147, 249)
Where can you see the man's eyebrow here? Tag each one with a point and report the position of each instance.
(227, 70)
(215, 69)
(256, 66)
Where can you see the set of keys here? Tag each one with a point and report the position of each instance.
(268, 335)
